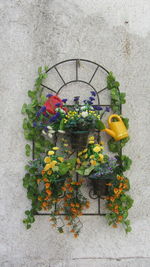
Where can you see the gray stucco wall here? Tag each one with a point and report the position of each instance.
(38, 32)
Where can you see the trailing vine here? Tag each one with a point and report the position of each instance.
(118, 201)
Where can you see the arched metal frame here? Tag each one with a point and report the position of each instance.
(77, 80)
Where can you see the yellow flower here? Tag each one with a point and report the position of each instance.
(61, 159)
(47, 167)
(65, 145)
(91, 142)
(50, 165)
(79, 154)
(91, 138)
(50, 152)
(101, 157)
(93, 162)
(97, 148)
(78, 161)
(55, 148)
(92, 157)
(86, 156)
(84, 151)
(102, 143)
(49, 172)
(47, 160)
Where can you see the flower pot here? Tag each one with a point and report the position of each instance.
(79, 139)
(99, 184)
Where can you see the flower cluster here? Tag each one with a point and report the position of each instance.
(72, 204)
(55, 116)
(118, 202)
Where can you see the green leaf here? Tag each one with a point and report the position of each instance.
(23, 110)
(39, 70)
(28, 150)
(126, 122)
(88, 170)
(100, 125)
(126, 162)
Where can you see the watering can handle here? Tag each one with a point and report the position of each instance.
(113, 116)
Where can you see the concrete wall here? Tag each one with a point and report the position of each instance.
(115, 33)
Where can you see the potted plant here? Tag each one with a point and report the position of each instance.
(76, 121)
(96, 166)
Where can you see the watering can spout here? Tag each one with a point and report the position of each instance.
(110, 132)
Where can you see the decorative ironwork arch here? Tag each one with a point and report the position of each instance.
(77, 80)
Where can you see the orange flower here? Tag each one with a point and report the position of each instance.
(42, 172)
(45, 180)
(47, 185)
(70, 189)
(63, 188)
(77, 205)
(68, 196)
(75, 235)
(116, 190)
(87, 204)
(120, 177)
(114, 225)
(120, 218)
(38, 181)
(112, 199)
(109, 184)
(46, 198)
(49, 192)
(72, 204)
(72, 231)
(73, 210)
(44, 204)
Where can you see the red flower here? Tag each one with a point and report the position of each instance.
(54, 102)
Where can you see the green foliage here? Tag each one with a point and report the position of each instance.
(123, 201)
(67, 165)
(114, 146)
(34, 133)
(117, 98)
(126, 162)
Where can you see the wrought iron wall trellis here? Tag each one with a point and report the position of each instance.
(77, 62)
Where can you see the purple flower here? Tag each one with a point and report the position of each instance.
(97, 107)
(49, 95)
(91, 98)
(57, 105)
(93, 93)
(64, 100)
(34, 124)
(42, 109)
(90, 102)
(45, 129)
(107, 109)
(55, 117)
(38, 114)
(76, 98)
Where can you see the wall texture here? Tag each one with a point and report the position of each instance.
(38, 32)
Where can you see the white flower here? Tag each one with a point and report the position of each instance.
(51, 131)
(43, 132)
(50, 135)
(61, 131)
(50, 127)
(84, 114)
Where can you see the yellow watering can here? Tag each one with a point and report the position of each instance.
(117, 128)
